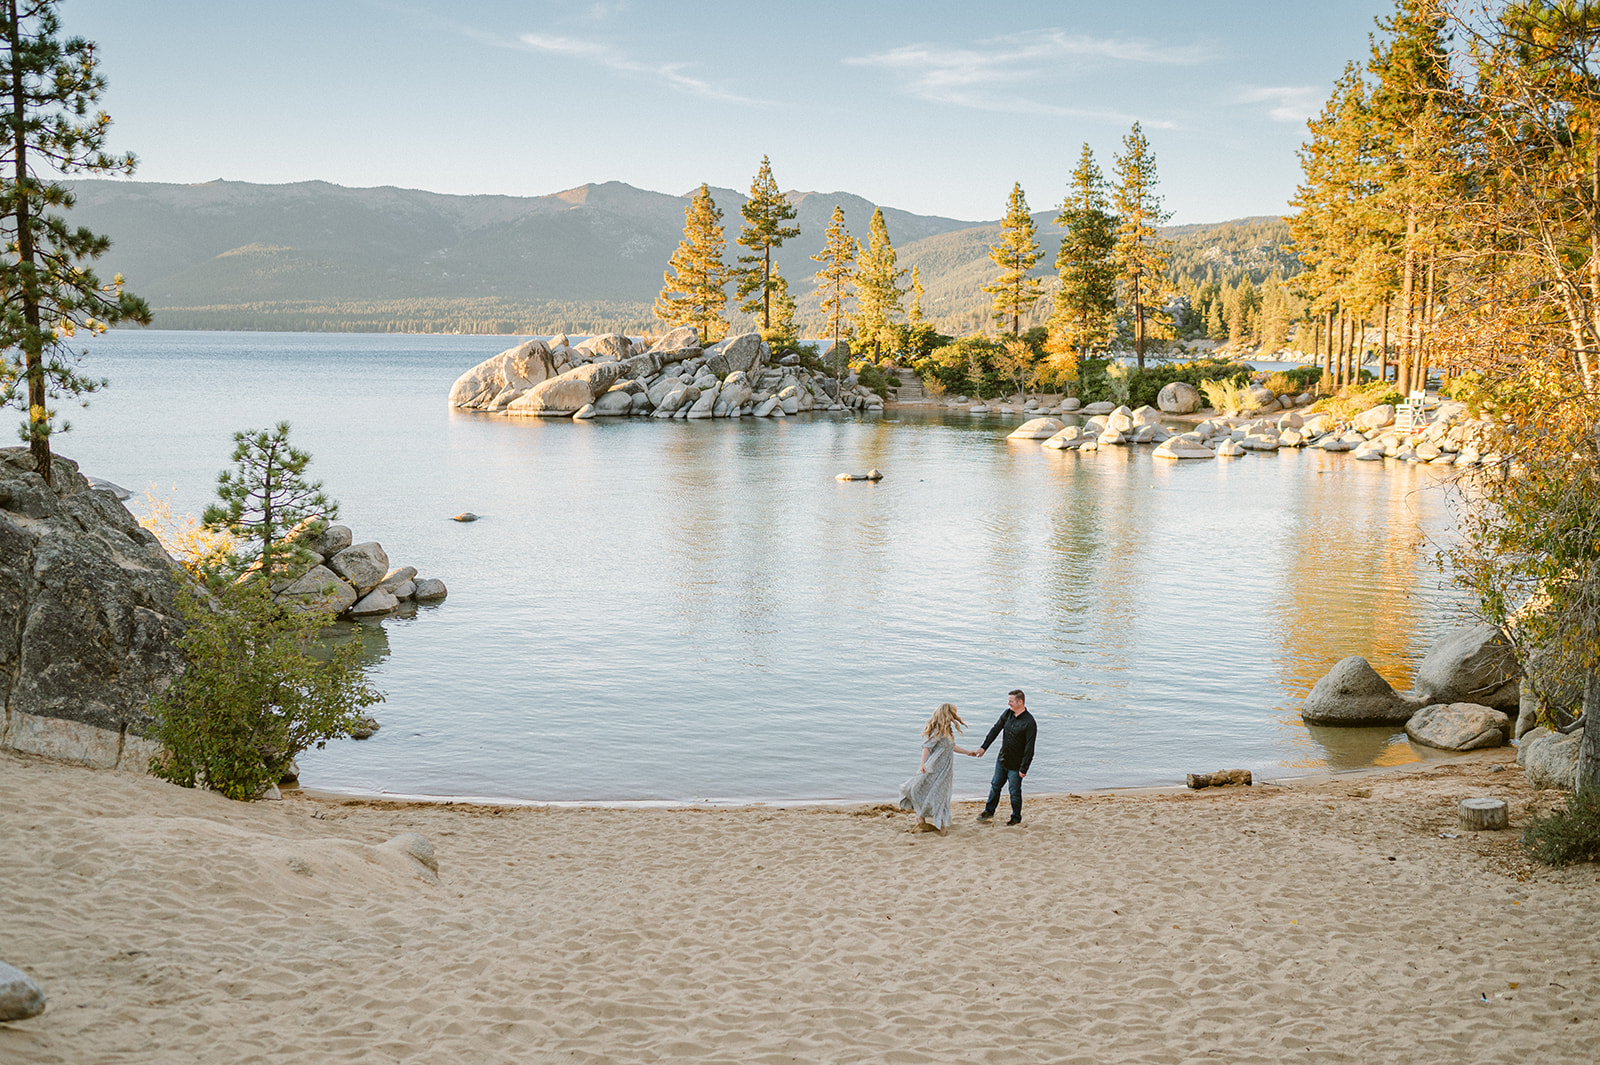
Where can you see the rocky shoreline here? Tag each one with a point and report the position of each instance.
(611, 376)
(1447, 434)
(339, 577)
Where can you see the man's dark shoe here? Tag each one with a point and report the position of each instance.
(986, 817)
(1014, 821)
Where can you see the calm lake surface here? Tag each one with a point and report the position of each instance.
(679, 611)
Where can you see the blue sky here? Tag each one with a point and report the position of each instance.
(932, 107)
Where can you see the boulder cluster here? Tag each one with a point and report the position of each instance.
(334, 575)
(1445, 436)
(1468, 693)
(612, 376)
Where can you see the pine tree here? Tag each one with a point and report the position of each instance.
(1014, 291)
(1273, 324)
(914, 315)
(836, 278)
(266, 495)
(782, 334)
(1086, 302)
(50, 88)
(764, 214)
(1141, 254)
(878, 291)
(692, 292)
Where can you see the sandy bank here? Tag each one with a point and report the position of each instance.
(1329, 920)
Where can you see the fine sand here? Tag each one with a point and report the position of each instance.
(1345, 920)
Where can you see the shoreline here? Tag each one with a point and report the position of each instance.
(325, 794)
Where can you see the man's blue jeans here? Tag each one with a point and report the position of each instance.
(1004, 776)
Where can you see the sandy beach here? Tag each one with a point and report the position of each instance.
(1347, 919)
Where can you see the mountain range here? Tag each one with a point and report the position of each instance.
(312, 255)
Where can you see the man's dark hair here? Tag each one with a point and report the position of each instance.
(1018, 693)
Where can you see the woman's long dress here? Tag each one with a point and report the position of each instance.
(929, 793)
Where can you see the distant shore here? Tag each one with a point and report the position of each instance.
(1348, 918)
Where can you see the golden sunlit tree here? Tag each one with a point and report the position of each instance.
(1014, 291)
(693, 287)
(1141, 254)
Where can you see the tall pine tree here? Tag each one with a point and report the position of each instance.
(50, 88)
(878, 291)
(1086, 302)
(692, 292)
(1014, 291)
(764, 214)
(836, 277)
(1141, 254)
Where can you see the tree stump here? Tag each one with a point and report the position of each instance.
(1220, 778)
(1482, 814)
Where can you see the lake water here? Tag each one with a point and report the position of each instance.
(672, 611)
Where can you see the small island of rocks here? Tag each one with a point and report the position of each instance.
(611, 376)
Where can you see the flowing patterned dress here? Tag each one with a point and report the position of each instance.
(928, 793)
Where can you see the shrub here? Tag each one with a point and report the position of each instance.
(1225, 395)
(1352, 399)
(1095, 385)
(253, 694)
(1568, 835)
(874, 377)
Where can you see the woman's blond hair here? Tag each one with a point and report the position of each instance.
(944, 719)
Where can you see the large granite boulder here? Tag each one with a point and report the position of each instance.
(1036, 429)
(1550, 759)
(363, 566)
(1474, 664)
(568, 392)
(1374, 418)
(1183, 447)
(733, 395)
(1178, 397)
(88, 626)
(682, 343)
(607, 347)
(321, 590)
(742, 353)
(1065, 440)
(1459, 727)
(1352, 695)
(516, 369)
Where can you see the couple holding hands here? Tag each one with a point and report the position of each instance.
(928, 793)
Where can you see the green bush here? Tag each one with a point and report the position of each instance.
(874, 377)
(1096, 386)
(1567, 835)
(253, 694)
(969, 366)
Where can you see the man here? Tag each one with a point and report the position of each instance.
(1016, 755)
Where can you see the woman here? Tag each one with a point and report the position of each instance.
(928, 793)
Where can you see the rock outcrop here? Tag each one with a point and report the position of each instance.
(88, 626)
(336, 576)
(610, 376)
(1474, 664)
(1352, 695)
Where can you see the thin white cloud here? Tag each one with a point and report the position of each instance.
(1290, 103)
(986, 76)
(675, 75)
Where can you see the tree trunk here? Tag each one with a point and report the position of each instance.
(27, 293)
(1138, 323)
(1407, 306)
(1587, 777)
(1383, 346)
(1325, 386)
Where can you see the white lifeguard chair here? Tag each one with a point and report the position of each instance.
(1408, 415)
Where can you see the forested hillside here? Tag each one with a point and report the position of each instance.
(315, 256)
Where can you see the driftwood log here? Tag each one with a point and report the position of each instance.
(1482, 813)
(1220, 778)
